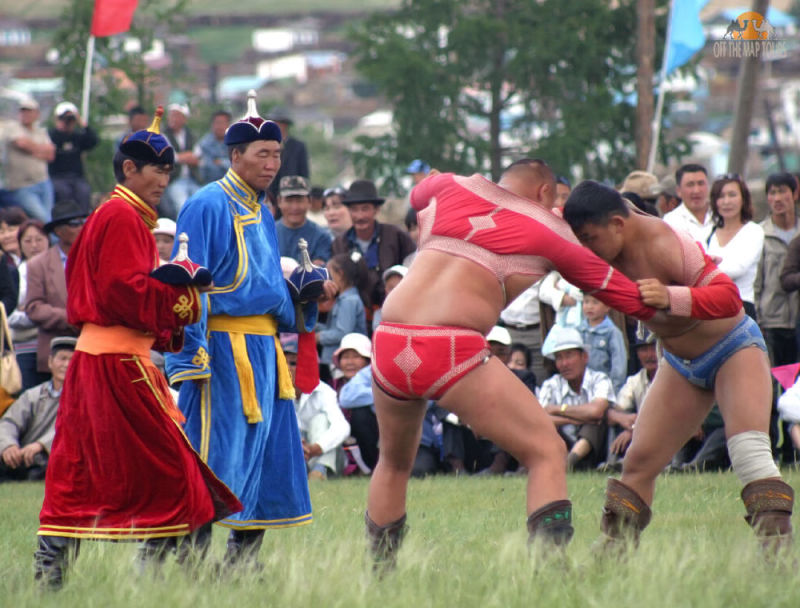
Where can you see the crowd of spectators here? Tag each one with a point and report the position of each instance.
(588, 366)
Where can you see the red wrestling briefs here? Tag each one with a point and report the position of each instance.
(421, 362)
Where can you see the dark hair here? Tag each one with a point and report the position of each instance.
(641, 204)
(315, 192)
(13, 216)
(564, 181)
(224, 113)
(526, 352)
(689, 168)
(136, 111)
(593, 203)
(242, 148)
(411, 219)
(781, 179)
(38, 224)
(120, 158)
(354, 268)
(746, 212)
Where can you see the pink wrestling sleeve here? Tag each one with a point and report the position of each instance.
(425, 190)
(584, 269)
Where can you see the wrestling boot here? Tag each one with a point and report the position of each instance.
(769, 513)
(52, 558)
(551, 525)
(384, 542)
(243, 547)
(193, 548)
(152, 552)
(625, 515)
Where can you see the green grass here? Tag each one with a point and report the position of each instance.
(466, 547)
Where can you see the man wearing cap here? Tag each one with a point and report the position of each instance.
(28, 425)
(294, 154)
(666, 193)
(418, 170)
(121, 467)
(71, 137)
(294, 203)
(46, 300)
(382, 245)
(640, 183)
(28, 151)
(185, 178)
(576, 398)
(232, 363)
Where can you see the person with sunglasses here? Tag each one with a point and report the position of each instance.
(46, 300)
(735, 239)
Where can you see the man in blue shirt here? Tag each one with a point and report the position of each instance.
(294, 203)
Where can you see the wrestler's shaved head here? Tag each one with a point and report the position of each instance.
(530, 178)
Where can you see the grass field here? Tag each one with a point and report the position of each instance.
(466, 547)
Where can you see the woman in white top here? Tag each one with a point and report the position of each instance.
(735, 239)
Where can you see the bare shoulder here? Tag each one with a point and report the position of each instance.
(664, 251)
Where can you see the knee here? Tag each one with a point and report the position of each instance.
(544, 448)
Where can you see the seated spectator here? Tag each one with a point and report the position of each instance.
(337, 217)
(707, 450)
(10, 256)
(165, 239)
(347, 313)
(519, 362)
(33, 240)
(46, 302)
(323, 427)
(391, 277)
(353, 359)
(294, 204)
(428, 460)
(412, 226)
(576, 398)
(28, 426)
(622, 414)
(607, 352)
(789, 409)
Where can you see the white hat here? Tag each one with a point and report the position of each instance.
(65, 107)
(179, 107)
(288, 265)
(357, 342)
(396, 269)
(164, 225)
(562, 338)
(499, 334)
(29, 103)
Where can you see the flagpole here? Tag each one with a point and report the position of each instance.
(651, 160)
(87, 79)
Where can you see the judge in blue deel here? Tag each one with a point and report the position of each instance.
(235, 388)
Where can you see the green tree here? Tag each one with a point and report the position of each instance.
(474, 83)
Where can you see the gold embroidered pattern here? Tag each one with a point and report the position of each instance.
(202, 358)
(182, 308)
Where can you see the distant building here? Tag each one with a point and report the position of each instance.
(14, 33)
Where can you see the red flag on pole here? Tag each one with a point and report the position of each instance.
(112, 16)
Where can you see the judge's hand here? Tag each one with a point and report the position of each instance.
(29, 451)
(654, 293)
(12, 456)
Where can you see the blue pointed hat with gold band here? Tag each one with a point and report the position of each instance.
(251, 127)
(149, 145)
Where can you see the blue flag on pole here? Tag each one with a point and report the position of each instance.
(686, 35)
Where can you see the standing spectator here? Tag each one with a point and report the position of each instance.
(138, 119)
(293, 201)
(693, 214)
(563, 188)
(604, 340)
(212, 151)
(391, 277)
(28, 151)
(27, 428)
(666, 194)
(232, 361)
(10, 256)
(46, 302)
(337, 217)
(735, 238)
(33, 240)
(184, 180)
(72, 137)
(418, 170)
(382, 245)
(323, 427)
(294, 155)
(315, 212)
(576, 398)
(412, 227)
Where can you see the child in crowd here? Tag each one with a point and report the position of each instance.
(347, 314)
(606, 344)
(391, 277)
(165, 239)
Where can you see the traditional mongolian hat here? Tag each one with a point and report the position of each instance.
(362, 191)
(149, 145)
(251, 127)
(181, 270)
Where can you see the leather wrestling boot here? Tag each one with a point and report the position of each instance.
(625, 515)
(384, 541)
(52, 558)
(551, 524)
(243, 547)
(769, 512)
(152, 552)
(193, 548)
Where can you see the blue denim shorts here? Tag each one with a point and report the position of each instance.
(702, 371)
